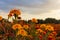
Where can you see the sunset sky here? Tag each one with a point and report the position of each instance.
(39, 9)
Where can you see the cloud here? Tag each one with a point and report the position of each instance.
(32, 8)
(41, 5)
(52, 14)
(3, 14)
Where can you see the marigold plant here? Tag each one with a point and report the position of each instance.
(20, 29)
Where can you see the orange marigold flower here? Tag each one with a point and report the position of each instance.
(34, 20)
(39, 30)
(1, 18)
(15, 11)
(22, 32)
(43, 26)
(26, 26)
(17, 26)
(10, 14)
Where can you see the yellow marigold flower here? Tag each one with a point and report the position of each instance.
(50, 28)
(26, 26)
(34, 20)
(39, 30)
(22, 32)
(1, 18)
(17, 26)
(43, 26)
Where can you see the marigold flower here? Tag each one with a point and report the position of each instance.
(26, 26)
(39, 30)
(54, 33)
(40, 36)
(44, 32)
(34, 20)
(1, 18)
(43, 26)
(37, 26)
(50, 37)
(15, 11)
(50, 28)
(17, 26)
(10, 14)
(22, 32)
(51, 34)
